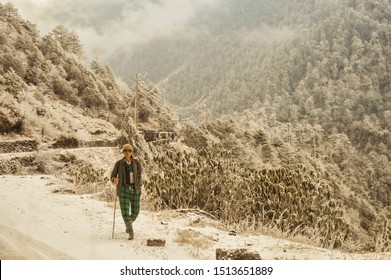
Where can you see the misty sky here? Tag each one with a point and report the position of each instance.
(105, 25)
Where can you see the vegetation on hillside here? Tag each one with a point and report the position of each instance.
(38, 71)
(258, 177)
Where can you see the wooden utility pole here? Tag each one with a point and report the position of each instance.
(137, 91)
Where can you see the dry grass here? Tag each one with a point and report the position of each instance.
(88, 179)
(193, 238)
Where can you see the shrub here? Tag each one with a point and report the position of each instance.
(86, 178)
(294, 201)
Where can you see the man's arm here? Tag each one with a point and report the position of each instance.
(114, 173)
(139, 171)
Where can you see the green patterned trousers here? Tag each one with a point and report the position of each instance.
(129, 200)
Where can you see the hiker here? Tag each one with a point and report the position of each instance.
(126, 176)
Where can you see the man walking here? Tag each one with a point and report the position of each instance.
(126, 176)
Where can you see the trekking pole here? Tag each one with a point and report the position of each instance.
(115, 206)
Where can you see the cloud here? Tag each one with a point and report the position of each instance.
(266, 35)
(33, 10)
(104, 26)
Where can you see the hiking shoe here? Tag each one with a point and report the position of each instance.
(129, 230)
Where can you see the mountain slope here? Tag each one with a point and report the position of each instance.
(48, 92)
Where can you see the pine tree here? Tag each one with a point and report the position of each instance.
(68, 39)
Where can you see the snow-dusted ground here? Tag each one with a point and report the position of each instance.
(39, 224)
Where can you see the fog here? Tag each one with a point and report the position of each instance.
(104, 26)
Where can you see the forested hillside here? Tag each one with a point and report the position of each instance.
(260, 51)
(49, 93)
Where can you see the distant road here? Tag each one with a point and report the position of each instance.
(15, 245)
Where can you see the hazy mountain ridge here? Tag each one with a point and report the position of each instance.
(340, 42)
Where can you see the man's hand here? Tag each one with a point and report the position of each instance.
(116, 181)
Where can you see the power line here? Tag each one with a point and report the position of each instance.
(155, 93)
(195, 105)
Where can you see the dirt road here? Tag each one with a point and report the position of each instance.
(15, 245)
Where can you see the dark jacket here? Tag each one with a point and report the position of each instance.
(119, 169)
